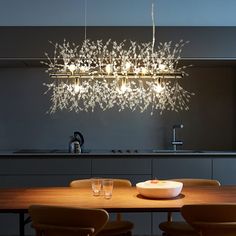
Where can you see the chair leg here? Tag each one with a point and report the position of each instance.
(118, 216)
(169, 216)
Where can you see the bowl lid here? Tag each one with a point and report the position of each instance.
(159, 184)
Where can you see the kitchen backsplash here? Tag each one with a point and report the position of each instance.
(209, 125)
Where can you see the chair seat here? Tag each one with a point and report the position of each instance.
(117, 228)
(177, 228)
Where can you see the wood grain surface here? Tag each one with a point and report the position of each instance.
(123, 199)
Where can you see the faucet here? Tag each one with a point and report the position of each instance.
(174, 141)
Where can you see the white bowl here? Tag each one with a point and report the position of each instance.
(159, 188)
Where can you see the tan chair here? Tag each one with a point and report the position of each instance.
(85, 183)
(181, 228)
(117, 227)
(211, 220)
(67, 221)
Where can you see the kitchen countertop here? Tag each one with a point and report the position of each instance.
(110, 153)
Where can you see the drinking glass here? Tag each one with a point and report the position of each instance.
(96, 184)
(107, 186)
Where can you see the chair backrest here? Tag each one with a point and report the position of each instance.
(84, 183)
(211, 219)
(198, 182)
(67, 221)
(188, 182)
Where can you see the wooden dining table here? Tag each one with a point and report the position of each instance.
(17, 200)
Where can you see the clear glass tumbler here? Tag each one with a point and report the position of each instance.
(96, 184)
(107, 186)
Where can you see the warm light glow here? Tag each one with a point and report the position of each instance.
(162, 67)
(125, 87)
(72, 68)
(83, 69)
(109, 69)
(158, 88)
(77, 88)
(127, 66)
(144, 70)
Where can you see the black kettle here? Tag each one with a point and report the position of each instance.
(76, 143)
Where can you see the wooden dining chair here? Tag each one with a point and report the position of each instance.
(181, 228)
(67, 221)
(116, 227)
(211, 219)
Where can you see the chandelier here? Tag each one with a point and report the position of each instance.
(126, 75)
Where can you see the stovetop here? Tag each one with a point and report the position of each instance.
(124, 151)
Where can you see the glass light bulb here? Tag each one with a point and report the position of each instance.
(127, 66)
(78, 88)
(162, 67)
(144, 70)
(82, 68)
(109, 68)
(137, 70)
(72, 68)
(123, 88)
(158, 88)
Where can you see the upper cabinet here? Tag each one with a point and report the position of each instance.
(30, 43)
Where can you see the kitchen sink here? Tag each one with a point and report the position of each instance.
(177, 151)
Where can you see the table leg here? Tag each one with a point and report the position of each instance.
(22, 224)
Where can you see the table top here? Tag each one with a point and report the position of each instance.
(123, 199)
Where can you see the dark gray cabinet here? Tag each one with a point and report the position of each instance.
(224, 169)
(42, 172)
(191, 167)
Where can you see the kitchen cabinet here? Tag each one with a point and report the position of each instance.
(167, 168)
(42, 172)
(224, 169)
(32, 42)
(136, 170)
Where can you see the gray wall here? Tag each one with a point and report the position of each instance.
(209, 125)
(117, 13)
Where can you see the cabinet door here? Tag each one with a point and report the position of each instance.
(45, 166)
(121, 166)
(194, 167)
(224, 169)
(42, 172)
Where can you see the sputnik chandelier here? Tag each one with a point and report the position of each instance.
(127, 75)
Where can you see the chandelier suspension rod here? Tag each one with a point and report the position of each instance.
(153, 28)
(85, 20)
